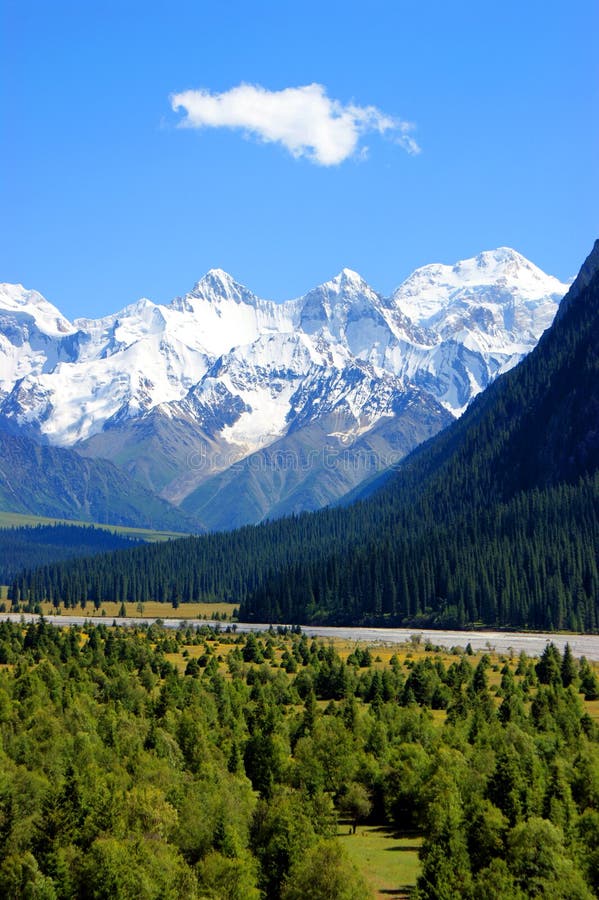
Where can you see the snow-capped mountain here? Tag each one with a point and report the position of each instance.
(32, 334)
(231, 374)
(72, 379)
(495, 279)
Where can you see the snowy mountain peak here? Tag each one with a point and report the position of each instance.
(493, 264)
(16, 299)
(218, 280)
(217, 285)
(499, 256)
(220, 274)
(345, 282)
(349, 276)
(496, 277)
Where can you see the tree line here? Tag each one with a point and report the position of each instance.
(26, 547)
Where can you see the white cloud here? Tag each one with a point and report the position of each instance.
(303, 119)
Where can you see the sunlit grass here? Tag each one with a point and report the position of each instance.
(151, 609)
(389, 863)
(592, 707)
(9, 520)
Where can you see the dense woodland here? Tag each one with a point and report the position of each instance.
(494, 521)
(140, 764)
(24, 547)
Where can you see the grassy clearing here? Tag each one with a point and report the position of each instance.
(414, 649)
(592, 707)
(3, 592)
(150, 610)
(9, 520)
(388, 862)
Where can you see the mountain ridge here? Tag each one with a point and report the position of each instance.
(238, 373)
(57, 482)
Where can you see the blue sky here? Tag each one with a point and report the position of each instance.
(105, 198)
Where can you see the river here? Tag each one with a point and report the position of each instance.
(501, 641)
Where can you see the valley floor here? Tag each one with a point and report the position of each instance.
(533, 643)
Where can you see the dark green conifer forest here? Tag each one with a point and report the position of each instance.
(24, 547)
(139, 764)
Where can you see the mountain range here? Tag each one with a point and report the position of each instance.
(494, 521)
(236, 409)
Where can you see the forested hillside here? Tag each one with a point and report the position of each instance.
(495, 521)
(25, 547)
(135, 763)
(49, 481)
